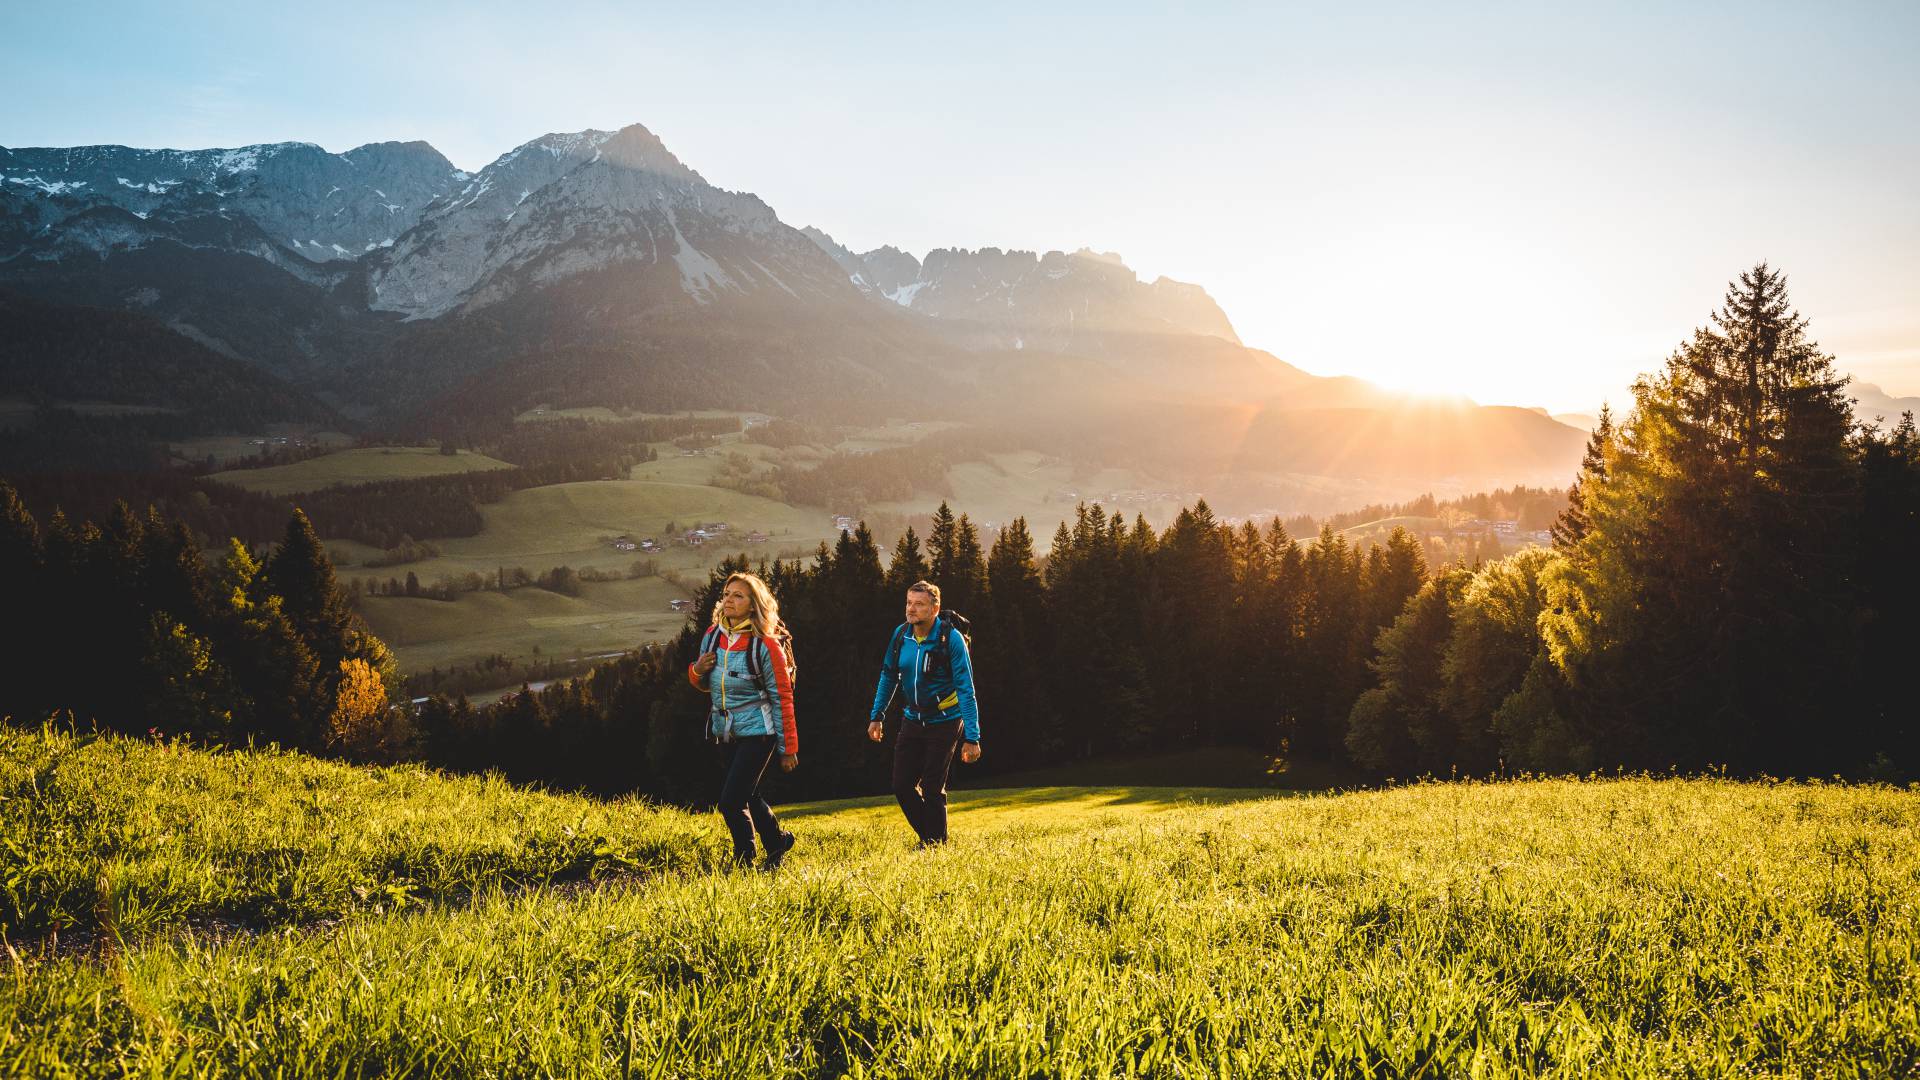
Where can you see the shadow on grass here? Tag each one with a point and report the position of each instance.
(1206, 767)
(1060, 796)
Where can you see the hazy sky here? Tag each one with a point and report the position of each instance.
(1524, 206)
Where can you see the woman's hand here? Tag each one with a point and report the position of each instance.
(788, 762)
(705, 664)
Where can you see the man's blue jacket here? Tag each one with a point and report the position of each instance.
(936, 692)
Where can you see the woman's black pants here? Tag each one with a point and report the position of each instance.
(741, 805)
(922, 756)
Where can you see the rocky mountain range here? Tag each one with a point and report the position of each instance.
(322, 207)
(595, 267)
(1032, 299)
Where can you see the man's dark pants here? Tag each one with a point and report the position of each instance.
(741, 806)
(922, 757)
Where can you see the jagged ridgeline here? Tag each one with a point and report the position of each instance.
(598, 269)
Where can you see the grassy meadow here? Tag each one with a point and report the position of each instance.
(606, 617)
(227, 449)
(264, 913)
(573, 525)
(1042, 489)
(359, 465)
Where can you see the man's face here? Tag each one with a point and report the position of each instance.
(735, 602)
(920, 608)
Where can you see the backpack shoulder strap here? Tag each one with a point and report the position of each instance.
(894, 646)
(753, 665)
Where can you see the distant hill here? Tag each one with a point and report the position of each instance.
(63, 353)
(1871, 403)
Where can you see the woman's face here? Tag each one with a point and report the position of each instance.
(736, 602)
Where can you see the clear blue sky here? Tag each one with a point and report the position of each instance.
(1522, 205)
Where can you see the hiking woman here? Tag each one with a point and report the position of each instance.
(746, 665)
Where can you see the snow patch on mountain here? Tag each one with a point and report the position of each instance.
(904, 294)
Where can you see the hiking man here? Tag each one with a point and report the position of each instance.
(928, 657)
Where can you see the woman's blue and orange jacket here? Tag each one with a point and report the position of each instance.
(934, 696)
(742, 706)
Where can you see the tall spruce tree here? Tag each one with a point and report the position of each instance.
(1011, 653)
(908, 564)
(1706, 616)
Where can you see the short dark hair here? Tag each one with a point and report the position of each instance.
(928, 587)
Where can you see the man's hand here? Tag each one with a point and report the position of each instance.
(875, 731)
(970, 752)
(705, 664)
(788, 762)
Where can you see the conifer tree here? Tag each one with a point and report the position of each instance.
(908, 565)
(942, 545)
(1572, 524)
(1397, 727)
(966, 575)
(1011, 653)
(1705, 615)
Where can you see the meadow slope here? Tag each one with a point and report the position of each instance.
(266, 913)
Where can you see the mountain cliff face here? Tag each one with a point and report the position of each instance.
(321, 206)
(1031, 300)
(563, 205)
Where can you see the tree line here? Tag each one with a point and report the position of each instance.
(130, 627)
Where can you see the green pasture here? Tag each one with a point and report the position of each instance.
(606, 617)
(17, 412)
(357, 466)
(226, 449)
(573, 525)
(893, 433)
(1418, 526)
(253, 914)
(1040, 488)
(604, 413)
(673, 466)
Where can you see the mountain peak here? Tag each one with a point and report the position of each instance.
(631, 147)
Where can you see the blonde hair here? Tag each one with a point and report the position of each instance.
(763, 611)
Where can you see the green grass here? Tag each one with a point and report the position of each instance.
(1637, 926)
(893, 433)
(605, 617)
(357, 466)
(126, 837)
(1418, 526)
(572, 525)
(1207, 767)
(1032, 485)
(674, 467)
(228, 448)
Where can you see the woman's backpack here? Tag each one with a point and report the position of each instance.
(712, 639)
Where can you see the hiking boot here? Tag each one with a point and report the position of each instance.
(737, 861)
(777, 851)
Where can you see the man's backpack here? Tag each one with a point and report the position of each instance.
(940, 657)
